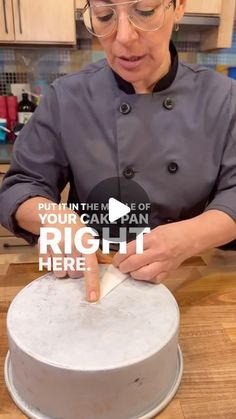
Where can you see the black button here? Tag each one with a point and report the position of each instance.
(128, 173)
(173, 167)
(168, 103)
(125, 108)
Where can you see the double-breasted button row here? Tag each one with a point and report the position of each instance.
(125, 108)
(129, 172)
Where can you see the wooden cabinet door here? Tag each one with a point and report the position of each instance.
(44, 21)
(80, 4)
(205, 7)
(6, 21)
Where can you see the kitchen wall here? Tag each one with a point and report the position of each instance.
(39, 66)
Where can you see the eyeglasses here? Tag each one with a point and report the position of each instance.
(147, 15)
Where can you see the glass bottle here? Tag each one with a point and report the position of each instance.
(25, 109)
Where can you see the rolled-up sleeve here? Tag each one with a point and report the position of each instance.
(39, 165)
(224, 196)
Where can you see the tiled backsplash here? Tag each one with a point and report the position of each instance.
(38, 65)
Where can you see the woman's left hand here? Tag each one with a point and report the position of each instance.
(165, 248)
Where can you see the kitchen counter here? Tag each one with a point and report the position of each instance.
(205, 289)
(5, 153)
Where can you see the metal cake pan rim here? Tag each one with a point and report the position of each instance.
(32, 413)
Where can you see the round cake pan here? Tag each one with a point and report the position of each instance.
(69, 359)
(33, 414)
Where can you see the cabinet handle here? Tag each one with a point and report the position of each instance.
(20, 20)
(5, 15)
(7, 245)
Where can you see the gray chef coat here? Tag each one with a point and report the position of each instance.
(178, 144)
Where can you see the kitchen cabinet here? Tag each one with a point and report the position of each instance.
(219, 36)
(205, 7)
(193, 6)
(80, 4)
(15, 245)
(6, 21)
(38, 22)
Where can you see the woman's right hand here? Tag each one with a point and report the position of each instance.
(27, 217)
(91, 272)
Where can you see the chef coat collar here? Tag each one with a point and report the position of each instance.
(162, 84)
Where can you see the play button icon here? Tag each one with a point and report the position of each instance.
(116, 204)
(117, 210)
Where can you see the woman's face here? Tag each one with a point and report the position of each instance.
(138, 56)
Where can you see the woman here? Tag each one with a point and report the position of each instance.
(139, 114)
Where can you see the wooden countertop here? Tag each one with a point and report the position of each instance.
(205, 289)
